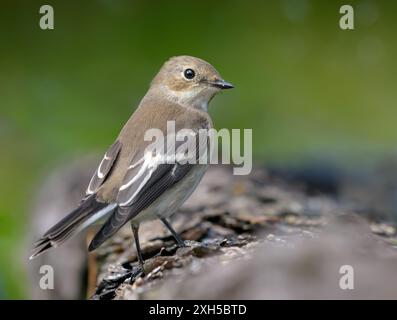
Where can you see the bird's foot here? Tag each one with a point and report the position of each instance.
(136, 272)
(182, 244)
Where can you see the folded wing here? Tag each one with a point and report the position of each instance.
(104, 168)
(149, 176)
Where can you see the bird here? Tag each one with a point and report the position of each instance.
(132, 182)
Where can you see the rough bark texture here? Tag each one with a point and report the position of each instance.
(254, 237)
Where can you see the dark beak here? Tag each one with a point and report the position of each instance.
(222, 84)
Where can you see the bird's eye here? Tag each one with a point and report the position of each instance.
(189, 74)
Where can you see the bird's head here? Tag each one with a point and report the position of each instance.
(189, 81)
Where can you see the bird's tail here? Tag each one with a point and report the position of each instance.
(87, 213)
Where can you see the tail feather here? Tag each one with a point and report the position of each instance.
(40, 249)
(109, 228)
(72, 223)
(85, 207)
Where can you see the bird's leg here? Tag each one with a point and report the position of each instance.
(135, 228)
(178, 239)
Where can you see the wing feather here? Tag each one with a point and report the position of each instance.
(104, 168)
(151, 179)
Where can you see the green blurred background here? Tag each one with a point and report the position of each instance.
(305, 87)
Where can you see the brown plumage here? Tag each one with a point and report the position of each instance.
(129, 184)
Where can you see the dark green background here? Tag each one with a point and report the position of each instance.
(305, 87)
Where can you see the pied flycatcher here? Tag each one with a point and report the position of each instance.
(131, 184)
